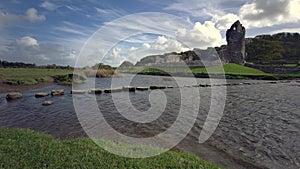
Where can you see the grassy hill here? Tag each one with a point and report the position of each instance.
(24, 148)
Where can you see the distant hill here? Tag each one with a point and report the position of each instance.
(281, 48)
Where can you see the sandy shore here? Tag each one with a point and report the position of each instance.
(5, 88)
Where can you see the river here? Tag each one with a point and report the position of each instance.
(260, 126)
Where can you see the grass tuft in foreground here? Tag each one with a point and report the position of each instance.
(24, 148)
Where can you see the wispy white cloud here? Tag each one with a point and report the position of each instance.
(69, 30)
(103, 11)
(76, 29)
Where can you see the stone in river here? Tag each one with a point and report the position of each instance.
(57, 92)
(141, 88)
(41, 94)
(129, 88)
(47, 103)
(157, 87)
(113, 90)
(13, 96)
(95, 91)
(77, 91)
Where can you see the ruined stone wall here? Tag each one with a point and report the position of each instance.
(236, 50)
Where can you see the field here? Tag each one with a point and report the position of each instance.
(24, 148)
(31, 76)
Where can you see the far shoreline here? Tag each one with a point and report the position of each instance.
(6, 88)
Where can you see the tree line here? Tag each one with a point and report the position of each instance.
(6, 64)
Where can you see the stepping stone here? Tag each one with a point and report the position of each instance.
(95, 91)
(14, 96)
(273, 82)
(77, 91)
(141, 88)
(113, 90)
(41, 94)
(157, 87)
(57, 92)
(129, 88)
(47, 103)
(204, 85)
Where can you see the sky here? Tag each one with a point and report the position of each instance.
(80, 33)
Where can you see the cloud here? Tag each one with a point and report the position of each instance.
(201, 36)
(146, 45)
(28, 49)
(48, 5)
(32, 15)
(26, 41)
(224, 22)
(268, 13)
(252, 13)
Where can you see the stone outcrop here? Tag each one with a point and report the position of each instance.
(236, 49)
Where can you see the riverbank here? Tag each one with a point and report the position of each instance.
(5, 88)
(24, 148)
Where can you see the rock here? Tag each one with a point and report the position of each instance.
(13, 96)
(77, 91)
(57, 92)
(129, 88)
(141, 88)
(204, 85)
(47, 103)
(157, 87)
(95, 91)
(41, 94)
(247, 83)
(113, 90)
(273, 82)
(126, 64)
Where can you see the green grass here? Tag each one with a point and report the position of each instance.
(231, 69)
(24, 148)
(30, 76)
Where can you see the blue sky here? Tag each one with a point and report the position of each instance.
(54, 32)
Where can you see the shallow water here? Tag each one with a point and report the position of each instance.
(260, 126)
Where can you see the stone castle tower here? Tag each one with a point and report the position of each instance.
(236, 50)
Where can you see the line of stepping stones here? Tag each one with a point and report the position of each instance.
(18, 95)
